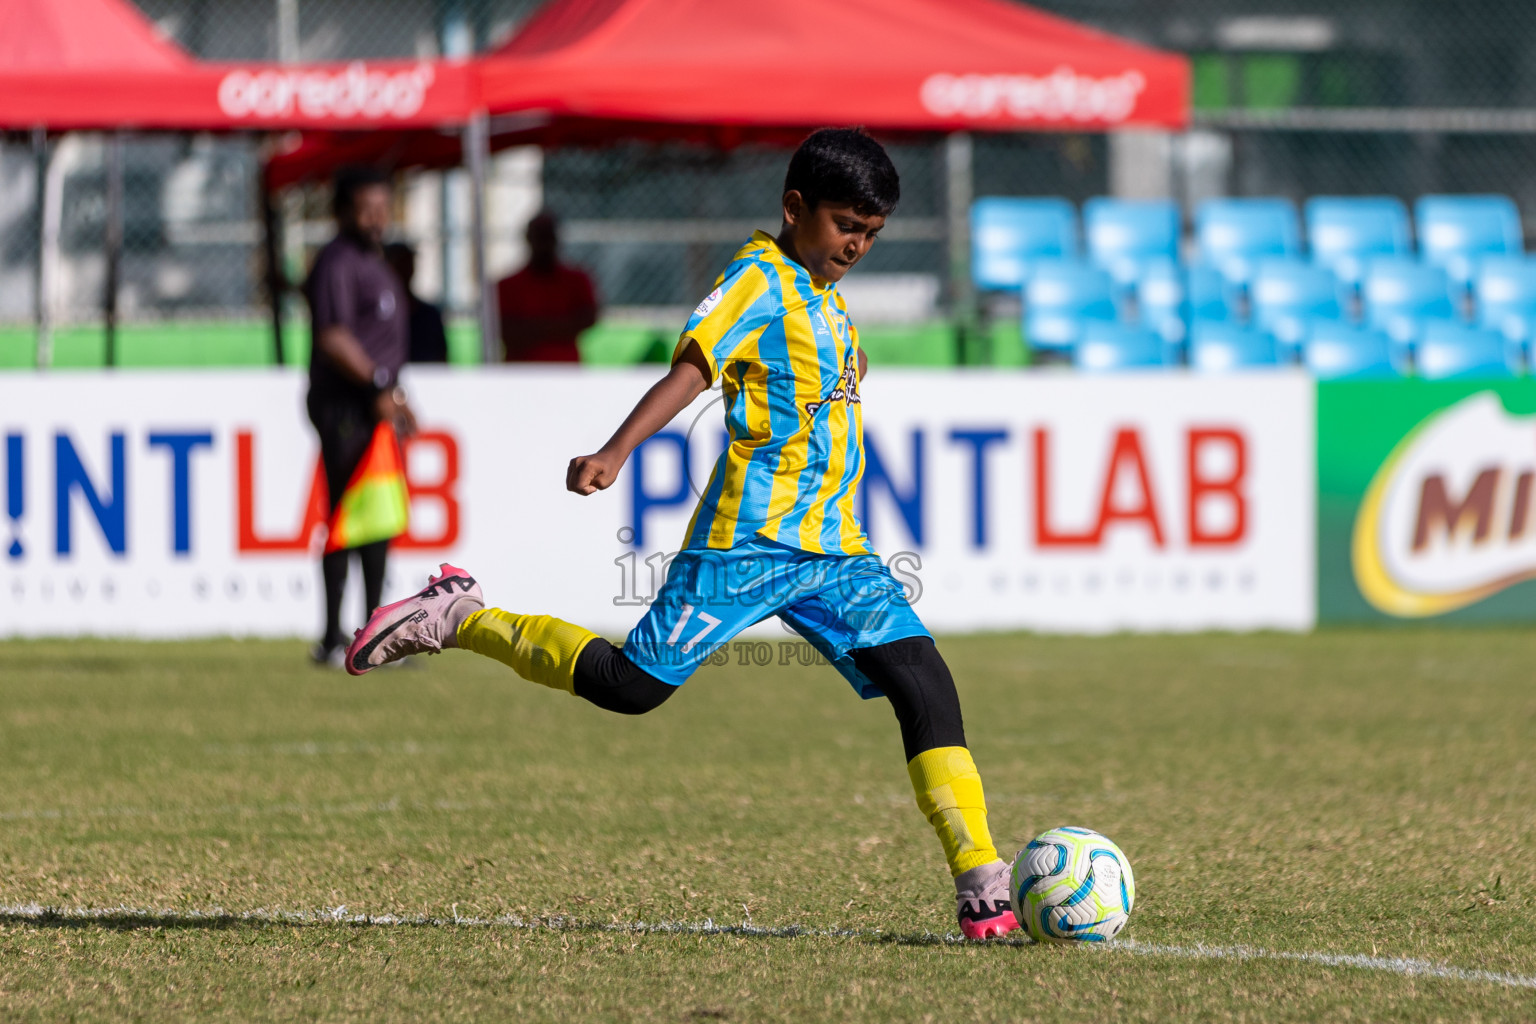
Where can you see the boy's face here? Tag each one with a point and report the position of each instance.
(829, 239)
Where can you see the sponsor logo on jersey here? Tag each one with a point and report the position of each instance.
(710, 302)
(847, 390)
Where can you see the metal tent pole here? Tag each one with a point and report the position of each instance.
(477, 140)
(271, 249)
(959, 185)
(114, 241)
(285, 229)
(287, 31)
(39, 176)
(48, 254)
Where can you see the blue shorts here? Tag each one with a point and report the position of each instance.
(839, 603)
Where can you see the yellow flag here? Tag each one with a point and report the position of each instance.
(376, 504)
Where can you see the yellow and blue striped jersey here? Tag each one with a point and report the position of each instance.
(787, 358)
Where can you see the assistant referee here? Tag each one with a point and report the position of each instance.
(360, 331)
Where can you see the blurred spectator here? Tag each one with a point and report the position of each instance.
(546, 305)
(358, 326)
(428, 341)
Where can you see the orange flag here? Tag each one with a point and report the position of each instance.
(376, 505)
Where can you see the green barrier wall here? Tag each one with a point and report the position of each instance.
(1359, 426)
(249, 343)
(157, 345)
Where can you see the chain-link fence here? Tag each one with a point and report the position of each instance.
(657, 222)
(189, 225)
(323, 30)
(19, 230)
(1292, 98)
(1307, 97)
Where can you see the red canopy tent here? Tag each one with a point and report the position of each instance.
(897, 65)
(596, 70)
(69, 65)
(88, 64)
(593, 70)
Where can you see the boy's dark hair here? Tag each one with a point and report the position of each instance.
(844, 165)
(352, 180)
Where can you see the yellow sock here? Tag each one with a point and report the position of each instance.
(948, 789)
(540, 648)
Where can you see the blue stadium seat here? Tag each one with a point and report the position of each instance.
(1217, 347)
(1505, 289)
(1451, 350)
(1344, 232)
(1060, 298)
(1234, 233)
(1161, 300)
(1288, 295)
(1009, 234)
(1401, 295)
(1108, 346)
(1337, 351)
(1456, 231)
(1210, 297)
(1125, 235)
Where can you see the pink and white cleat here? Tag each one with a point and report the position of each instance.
(982, 895)
(423, 623)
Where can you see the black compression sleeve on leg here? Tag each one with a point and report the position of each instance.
(333, 571)
(913, 675)
(373, 557)
(608, 679)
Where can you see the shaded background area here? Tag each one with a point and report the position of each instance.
(654, 222)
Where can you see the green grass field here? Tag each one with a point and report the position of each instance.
(1345, 793)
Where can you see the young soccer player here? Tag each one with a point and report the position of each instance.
(775, 532)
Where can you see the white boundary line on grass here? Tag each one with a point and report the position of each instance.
(1406, 966)
(1403, 966)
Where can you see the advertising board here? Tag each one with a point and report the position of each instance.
(182, 504)
(1425, 501)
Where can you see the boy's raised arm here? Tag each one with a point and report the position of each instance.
(687, 380)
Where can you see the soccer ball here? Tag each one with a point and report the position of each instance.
(1072, 885)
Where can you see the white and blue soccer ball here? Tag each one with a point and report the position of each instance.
(1072, 885)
